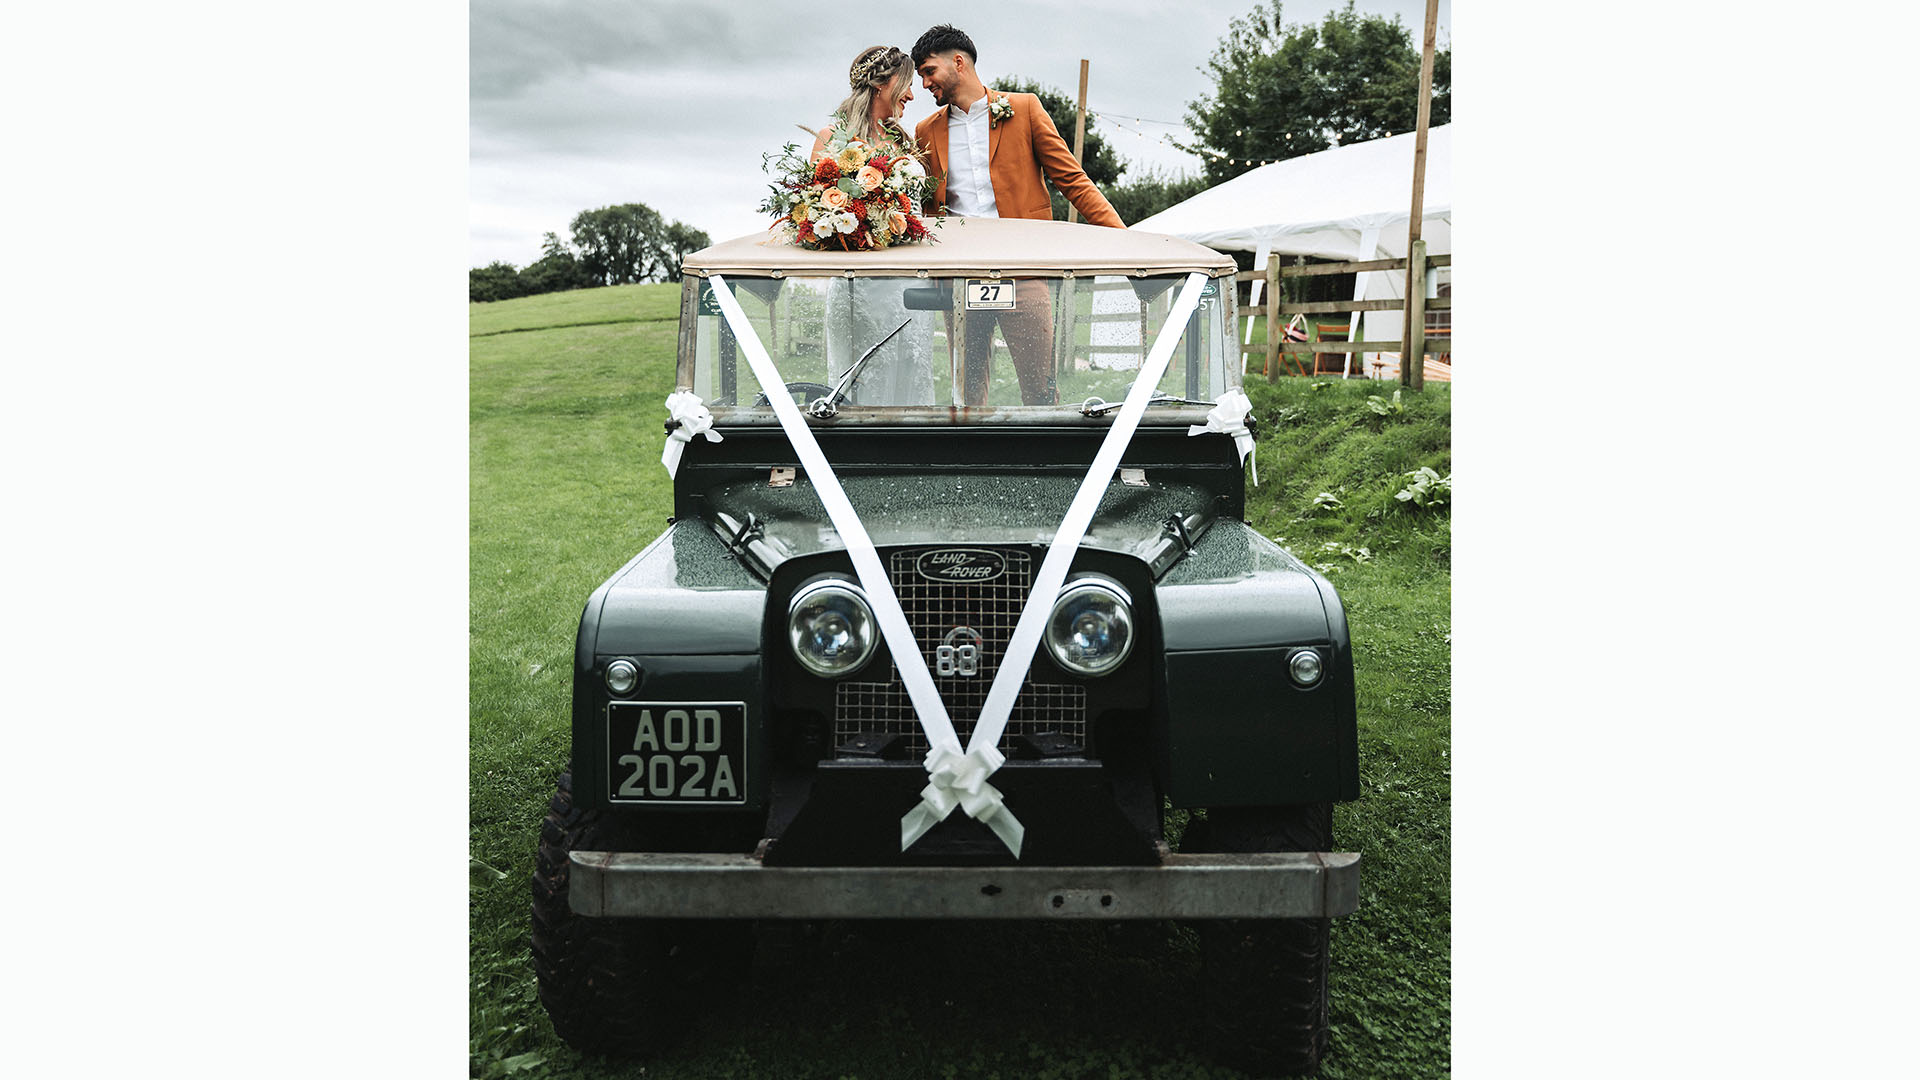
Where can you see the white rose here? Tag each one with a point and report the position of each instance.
(906, 166)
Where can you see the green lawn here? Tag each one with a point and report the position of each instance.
(566, 485)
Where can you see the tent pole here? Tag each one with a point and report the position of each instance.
(1273, 316)
(1413, 368)
(1080, 133)
(1260, 254)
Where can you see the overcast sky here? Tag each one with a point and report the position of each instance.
(577, 104)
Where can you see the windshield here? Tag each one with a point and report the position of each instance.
(925, 342)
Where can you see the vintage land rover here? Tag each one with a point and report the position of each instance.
(941, 627)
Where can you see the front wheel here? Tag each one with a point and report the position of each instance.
(1266, 979)
(614, 987)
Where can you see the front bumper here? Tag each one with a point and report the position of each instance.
(681, 886)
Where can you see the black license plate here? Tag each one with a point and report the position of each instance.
(681, 752)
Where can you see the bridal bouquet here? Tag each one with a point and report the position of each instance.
(854, 197)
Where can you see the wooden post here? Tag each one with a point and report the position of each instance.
(1273, 316)
(1063, 328)
(1080, 132)
(1416, 342)
(1413, 366)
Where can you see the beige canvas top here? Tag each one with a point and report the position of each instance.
(974, 247)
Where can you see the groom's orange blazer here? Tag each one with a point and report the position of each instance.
(1018, 149)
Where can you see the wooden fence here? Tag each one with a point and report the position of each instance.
(1283, 356)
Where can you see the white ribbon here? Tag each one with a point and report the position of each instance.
(960, 780)
(949, 769)
(1229, 417)
(690, 418)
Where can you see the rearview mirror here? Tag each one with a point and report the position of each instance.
(935, 297)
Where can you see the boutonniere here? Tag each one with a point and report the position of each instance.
(999, 109)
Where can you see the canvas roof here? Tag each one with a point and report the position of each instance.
(976, 247)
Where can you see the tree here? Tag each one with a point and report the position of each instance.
(616, 245)
(494, 281)
(1285, 90)
(679, 242)
(629, 243)
(619, 245)
(556, 271)
(1097, 159)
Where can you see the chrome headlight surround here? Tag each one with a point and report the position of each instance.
(830, 627)
(1090, 631)
(1306, 667)
(622, 676)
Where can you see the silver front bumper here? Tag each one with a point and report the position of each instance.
(655, 886)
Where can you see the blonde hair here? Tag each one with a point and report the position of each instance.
(878, 70)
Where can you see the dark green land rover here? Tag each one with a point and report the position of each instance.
(943, 624)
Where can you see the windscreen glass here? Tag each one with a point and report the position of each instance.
(911, 342)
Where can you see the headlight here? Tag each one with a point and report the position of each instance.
(622, 677)
(1091, 629)
(831, 627)
(1304, 668)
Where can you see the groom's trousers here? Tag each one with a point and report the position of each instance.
(1028, 332)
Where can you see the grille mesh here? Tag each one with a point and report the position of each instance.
(933, 608)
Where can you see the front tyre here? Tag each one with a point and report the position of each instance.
(613, 987)
(1266, 979)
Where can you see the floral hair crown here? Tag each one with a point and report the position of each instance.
(880, 59)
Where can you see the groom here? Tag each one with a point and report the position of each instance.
(988, 151)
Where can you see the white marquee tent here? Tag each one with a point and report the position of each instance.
(1350, 202)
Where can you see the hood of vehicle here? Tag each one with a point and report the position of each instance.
(775, 524)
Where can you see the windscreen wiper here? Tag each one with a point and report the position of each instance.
(829, 405)
(1094, 406)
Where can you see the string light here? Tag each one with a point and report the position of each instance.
(1168, 141)
(1165, 140)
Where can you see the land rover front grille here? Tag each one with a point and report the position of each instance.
(939, 612)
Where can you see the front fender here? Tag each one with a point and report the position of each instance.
(1237, 731)
(688, 614)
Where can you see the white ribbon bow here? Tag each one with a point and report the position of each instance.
(960, 780)
(1229, 417)
(690, 418)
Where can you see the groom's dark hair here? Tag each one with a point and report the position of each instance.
(943, 39)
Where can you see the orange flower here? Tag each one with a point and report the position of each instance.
(869, 177)
(896, 222)
(835, 199)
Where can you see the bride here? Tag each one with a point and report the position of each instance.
(861, 311)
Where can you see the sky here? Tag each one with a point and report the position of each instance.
(578, 104)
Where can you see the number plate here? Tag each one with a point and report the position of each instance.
(991, 295)
(682, 752)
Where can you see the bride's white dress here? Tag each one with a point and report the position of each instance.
(861, 311)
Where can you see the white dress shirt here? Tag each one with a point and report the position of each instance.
(969, 184)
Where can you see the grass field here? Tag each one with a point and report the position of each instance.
(566, 485)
